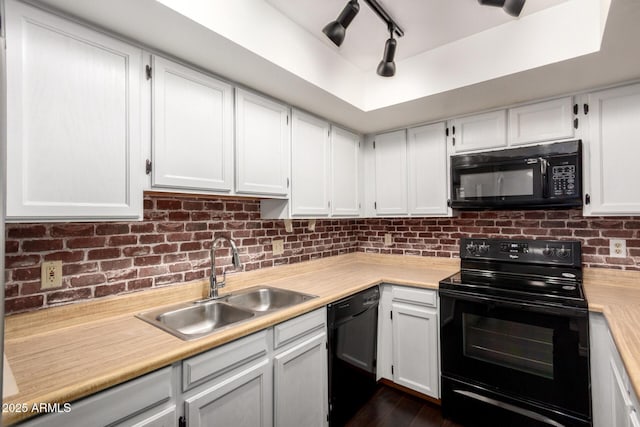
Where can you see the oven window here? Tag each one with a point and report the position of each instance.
(508, 344)
(495, 184)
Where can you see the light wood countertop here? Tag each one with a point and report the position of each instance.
(65, 353)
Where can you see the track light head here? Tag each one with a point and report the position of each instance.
(387, 68)
(336, 30)
(512, 7)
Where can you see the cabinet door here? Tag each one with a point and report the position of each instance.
(614, 120)
(262, 145)
(310, 157)
(479, 132)
(73, 128)
(192, 129)
(428, 171)
(345, 172)
(621, 403)
(544, 121)
(415, 348)
(300, 384)
(244, 400)
(390, 151)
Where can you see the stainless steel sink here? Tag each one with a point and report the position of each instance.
(189, 321)
(195, 320)
(266, 299)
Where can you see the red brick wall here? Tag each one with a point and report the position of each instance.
(169, 246)
(439, 237)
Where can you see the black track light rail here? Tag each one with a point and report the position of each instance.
(379, 10)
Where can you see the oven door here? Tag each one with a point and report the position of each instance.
(538, 354)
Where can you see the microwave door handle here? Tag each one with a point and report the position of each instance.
(544, 166)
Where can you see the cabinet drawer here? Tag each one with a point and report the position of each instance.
(415, 296)
(290, 330)
(115, 405)
(219, 361)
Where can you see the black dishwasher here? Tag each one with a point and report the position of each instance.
(353, 335)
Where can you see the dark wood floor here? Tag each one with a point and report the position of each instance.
(392, 408)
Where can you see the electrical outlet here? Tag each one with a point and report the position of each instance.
(288, 225)
(618, 248)
(388, 239)
(51, 274)
(278, 246)
(312, 225)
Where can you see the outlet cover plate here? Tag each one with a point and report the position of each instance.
(388, 239)
(278, 246)
(618, 248)
(51, 274)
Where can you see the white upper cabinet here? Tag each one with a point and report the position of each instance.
(428, 170)
(345, 173)
(614, 123)
(73, 133)
(479, 132)
(192, 129)
(544, 121)
(390, 153)
(310, 165)
(262, 145)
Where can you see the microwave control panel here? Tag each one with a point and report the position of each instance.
(563, 179)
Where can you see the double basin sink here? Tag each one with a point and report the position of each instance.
(193, 320)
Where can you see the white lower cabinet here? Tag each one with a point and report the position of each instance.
(613, 399)
(300, 375)
(408, 339)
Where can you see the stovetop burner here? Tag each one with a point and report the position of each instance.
(536, 271)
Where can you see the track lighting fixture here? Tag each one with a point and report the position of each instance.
(512, 7)
(387, 68)
(336, 30)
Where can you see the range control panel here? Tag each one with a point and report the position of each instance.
(525, 251)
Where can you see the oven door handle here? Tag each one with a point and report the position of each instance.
(494, 302)
(509, 407)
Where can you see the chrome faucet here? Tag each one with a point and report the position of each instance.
(235, 259)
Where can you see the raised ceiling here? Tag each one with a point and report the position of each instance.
(427, 24)
(557, 48)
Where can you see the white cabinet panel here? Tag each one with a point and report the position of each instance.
(243, 400)
(262, 145)
(544, 121)
(73, 132)
(391, 173)
(428, 171)
(614, 118)
(300, 384)
(479, 132)
(310, 165)
(192, 129)
(345, 172)
(415, 348)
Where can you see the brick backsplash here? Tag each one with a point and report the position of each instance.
(171, 244)
(439, 236)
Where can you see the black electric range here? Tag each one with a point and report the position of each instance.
(514, 335)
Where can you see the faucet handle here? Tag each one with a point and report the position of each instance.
(224, 280)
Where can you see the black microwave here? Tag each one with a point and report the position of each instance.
(541, 176)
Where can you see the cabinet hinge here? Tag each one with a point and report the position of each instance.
(587, 199)
(453, 130)
(287, 119)
(449, 203)
(358, 144)
(329, 204)
(575, 109)
(453, 141)
(148, 71)
(287, 182)
(446, 132)
(374, 145)
(391, 369)
(182, 422)
(585, 108)
(148, 167)
(576, 123)
(375, 205)
(391, 315)
(359, 205)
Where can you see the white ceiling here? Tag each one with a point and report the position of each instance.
(427, 24)
(253, 44)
